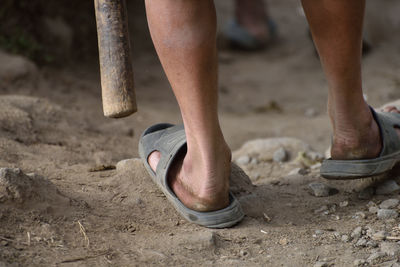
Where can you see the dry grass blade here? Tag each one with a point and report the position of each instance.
(83, 232)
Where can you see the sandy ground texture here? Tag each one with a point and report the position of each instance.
(73, 193)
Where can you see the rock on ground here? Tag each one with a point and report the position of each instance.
(387, 187)
(321, 189)
(389, 203)
(14, 68)
(385, 214)
(264, 149)
(23, 189)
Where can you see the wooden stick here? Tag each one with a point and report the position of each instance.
(116, 71)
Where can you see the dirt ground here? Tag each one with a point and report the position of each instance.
(71, 204)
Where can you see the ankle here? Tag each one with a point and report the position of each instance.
(358, 141)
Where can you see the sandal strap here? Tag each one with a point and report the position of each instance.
(387, 122)
(168, 141)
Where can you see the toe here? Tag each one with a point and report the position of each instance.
(391, 109)
(153, 160)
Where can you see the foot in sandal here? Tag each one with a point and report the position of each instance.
(367, 149)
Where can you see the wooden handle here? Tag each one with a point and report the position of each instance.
(116, 72)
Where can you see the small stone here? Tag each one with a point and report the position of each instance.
(321, 189)
(298, 171)
(387, 187)
(378, 236)
(360, 215)
(321, 264)
(372, 244)
(126, 165)
(358, 262)
(375, 256)
(344, 204)
(201, 240)
(283, 241)
(254, 161)
(357, 232)
(310, 112)
(345, 238)
(243, 253)
(389, 203)
(385, 214)
(316, 166)
(390, 249)
(362, 242)
(280, 155)
(373, 209)
(319, 232)
(366, 193)
(321, 209)
(243, 160)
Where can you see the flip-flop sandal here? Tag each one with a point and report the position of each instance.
(388, 158)
(241, 38)
(169, 140)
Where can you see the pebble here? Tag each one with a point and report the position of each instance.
(345, 238)
(243, 160)
(321, 190)
(344, 204)
(283, 241)
(373, 209)
(390, 249)
(254, 161)
(202, 240)
(297, 171)
(360, 215)
(389, 203)
(380, 235)
(385, 214)
(319, 232)
(372, 244)
(280, 155)
(358, 262)
(357, 232)
(321, 209)
(321, 264)
(375, 256)
(366, 193)
(387, 187)
(310, 112)
(243, 253)
(362, 242)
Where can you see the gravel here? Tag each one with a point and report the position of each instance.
(385, 214)
(280, 155)
(387, 187)
(243, 160)
(321, 190)
(389, 203)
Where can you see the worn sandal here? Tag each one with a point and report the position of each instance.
(388, 158)
(169, 140)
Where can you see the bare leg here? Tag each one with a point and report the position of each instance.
(253, 15)
(184, 35)
(336, 26)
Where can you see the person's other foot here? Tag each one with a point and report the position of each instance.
(362, 142)
(201, 185)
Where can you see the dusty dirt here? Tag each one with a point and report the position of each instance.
(69, 203)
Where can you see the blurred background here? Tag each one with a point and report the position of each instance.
(270, 76)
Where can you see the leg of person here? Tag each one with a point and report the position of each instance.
(336, 27)
(184, 35)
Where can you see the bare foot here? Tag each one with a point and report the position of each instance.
(199, 186)
(361, 143)
(252, 16)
